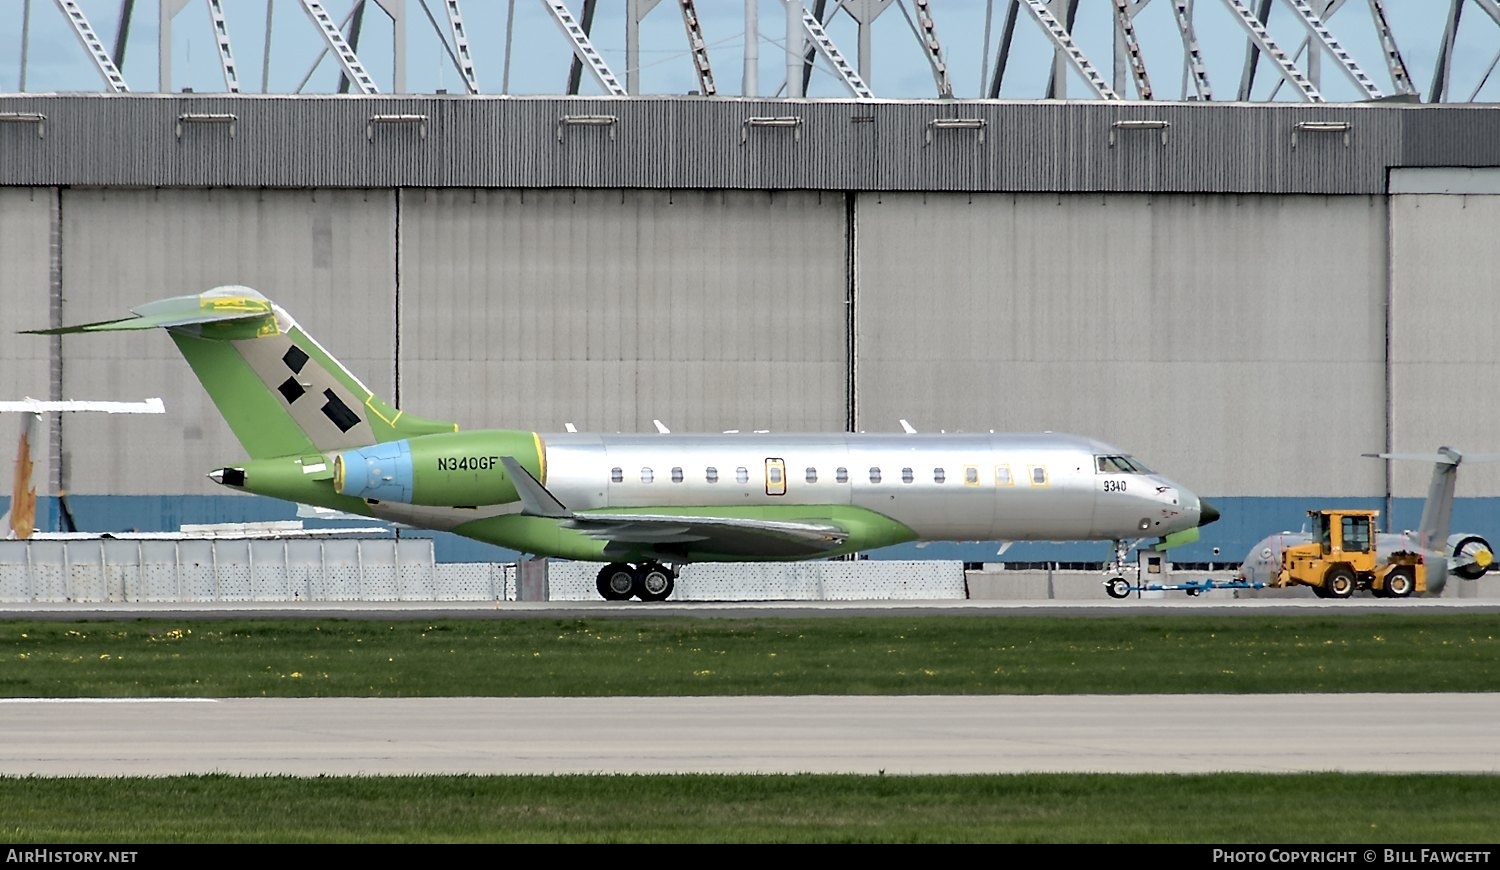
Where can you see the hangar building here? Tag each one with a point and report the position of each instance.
(1247, 297)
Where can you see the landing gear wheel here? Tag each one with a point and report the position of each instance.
(1117, 588)
(654, 582)
(1338, 582)
(1400, 583)
(616, 582)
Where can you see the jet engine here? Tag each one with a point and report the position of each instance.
(448, 469)
(1471, 557)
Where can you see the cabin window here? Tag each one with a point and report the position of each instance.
(907, 476)
(1003, 477)
(711, 474)
(812, 474)
(773, 473)
(617, 475)
(939, 475)
(841, 474)
(874, 474)
(1038, 475)
(677, 475)
(647, 475)
(742, 474)
(971, 475)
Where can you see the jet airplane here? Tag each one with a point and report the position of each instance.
(643, 504)
(1466, 555)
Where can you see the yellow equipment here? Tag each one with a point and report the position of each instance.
(1343, 557)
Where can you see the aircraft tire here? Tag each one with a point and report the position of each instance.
(654, 582)
(1338, 582)
(616, 582)
(1400, 583)
(1117, 587)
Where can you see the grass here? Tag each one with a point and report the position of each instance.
(825, 656)
(1031, 808)
(1382, 652)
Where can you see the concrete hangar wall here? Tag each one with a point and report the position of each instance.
(1248, 297)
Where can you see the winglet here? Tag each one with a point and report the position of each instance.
(661, 428)
(907, 428)
(536, 501)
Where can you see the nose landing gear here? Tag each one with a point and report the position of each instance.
(648, 581)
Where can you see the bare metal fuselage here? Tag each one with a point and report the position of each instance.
(944, 487)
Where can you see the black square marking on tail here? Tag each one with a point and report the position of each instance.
(291, 390)
(295, 358)
(338, 412)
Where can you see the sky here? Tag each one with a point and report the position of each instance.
(540, 55)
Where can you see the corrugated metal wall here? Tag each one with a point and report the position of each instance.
(708, 310)
(1445, 356)
(678, 143)
(27, 251)
(1182, 327)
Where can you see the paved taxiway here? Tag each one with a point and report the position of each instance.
(1391, 733)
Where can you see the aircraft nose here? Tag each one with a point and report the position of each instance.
(1207, 513)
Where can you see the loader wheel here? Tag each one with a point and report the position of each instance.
(1338, 582)
(1400, 583)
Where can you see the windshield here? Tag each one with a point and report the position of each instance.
(1118, 464)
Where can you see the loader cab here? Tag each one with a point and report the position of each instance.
(1344, 531)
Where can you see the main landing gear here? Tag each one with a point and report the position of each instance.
(648, 581)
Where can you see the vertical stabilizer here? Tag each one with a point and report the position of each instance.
(1431, 537)
(280, 392)
(1437, 517)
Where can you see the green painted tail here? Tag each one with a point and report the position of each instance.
(281, 393)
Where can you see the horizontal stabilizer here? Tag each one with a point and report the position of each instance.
(219, 305)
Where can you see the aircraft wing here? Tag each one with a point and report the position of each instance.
(717, 534)
(750, 533)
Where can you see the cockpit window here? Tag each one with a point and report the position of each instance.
(1120, 465)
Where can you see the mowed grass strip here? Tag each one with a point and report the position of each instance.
(1034, 808)
(1332, 652)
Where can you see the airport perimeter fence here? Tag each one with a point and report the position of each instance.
(236, 570)
(232, 570)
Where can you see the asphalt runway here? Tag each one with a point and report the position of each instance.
(1381, 733)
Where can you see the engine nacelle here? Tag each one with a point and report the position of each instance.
(1470, 556)
(451, 469)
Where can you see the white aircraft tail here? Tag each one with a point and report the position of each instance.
(1431, 537)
